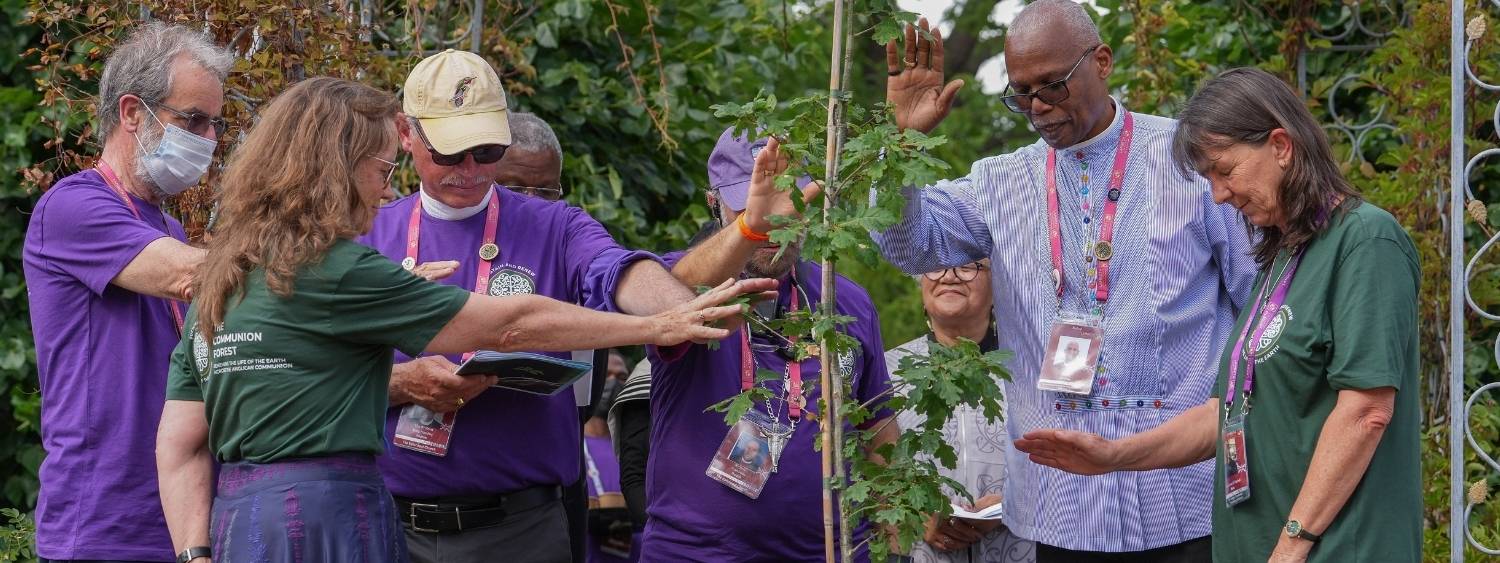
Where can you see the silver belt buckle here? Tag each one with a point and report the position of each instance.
(412, 517)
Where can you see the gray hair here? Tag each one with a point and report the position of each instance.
(529, 132)
(1071, 20)
(1242, 106)
(144, 63)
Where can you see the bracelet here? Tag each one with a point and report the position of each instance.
(749, 233)
(193, 553)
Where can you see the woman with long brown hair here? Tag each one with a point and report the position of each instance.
(283, 376)
(1326, 464)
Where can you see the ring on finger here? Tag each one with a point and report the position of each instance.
(700, 317)
(460, 402)
(910, 63)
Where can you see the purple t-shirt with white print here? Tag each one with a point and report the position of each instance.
(504, 440)
(695, 518)
(102, 354)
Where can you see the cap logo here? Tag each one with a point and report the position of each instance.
(462, 91)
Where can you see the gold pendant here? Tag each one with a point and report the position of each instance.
(489, 251)
(1103, 251)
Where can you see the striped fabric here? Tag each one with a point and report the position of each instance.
(1180, 271)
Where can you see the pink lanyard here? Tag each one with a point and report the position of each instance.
(491, 224)
(793, 367)
(113, 182)
(487, 249)
(1267, 311)
(1106, 225)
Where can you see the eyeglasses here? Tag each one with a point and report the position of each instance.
(483, 154)
(549, 194)
(964, 273)
(197, 122)
(390, 173)
(1052, 93)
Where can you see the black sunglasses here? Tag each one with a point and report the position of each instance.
(197, 122)
(483, 154)
(1052, 93)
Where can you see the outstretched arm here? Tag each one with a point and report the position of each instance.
(530, 322)
(1186, 439)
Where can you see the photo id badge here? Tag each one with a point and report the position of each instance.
(1071, 356)
(421, 430)
(743, 461)
(1236, 462)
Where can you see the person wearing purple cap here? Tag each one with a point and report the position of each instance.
(106, 270)
(704, 502)
(493, 483)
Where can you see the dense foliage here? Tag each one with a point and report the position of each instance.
(629, 86)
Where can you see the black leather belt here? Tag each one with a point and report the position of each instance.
(455, 514)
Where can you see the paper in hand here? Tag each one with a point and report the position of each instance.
(993, 512)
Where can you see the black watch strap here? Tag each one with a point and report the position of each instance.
(192, 553)
(1294, 529)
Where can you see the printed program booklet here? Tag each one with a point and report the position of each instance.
(527, 372)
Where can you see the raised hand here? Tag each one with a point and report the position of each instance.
(695, 321)
(764, 199)
(1075, 452)
(915, 86)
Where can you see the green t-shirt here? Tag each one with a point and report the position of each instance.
(1349, 322)
(306, 375)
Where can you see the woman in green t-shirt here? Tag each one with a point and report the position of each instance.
(1315, 418)
(282, 372)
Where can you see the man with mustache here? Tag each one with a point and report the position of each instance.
(108, 273)
(1091, 232)
(694, 517)
(493, 486)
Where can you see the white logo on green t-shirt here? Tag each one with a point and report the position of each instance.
(1268, 345)
(200, 354)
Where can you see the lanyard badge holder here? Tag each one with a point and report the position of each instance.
(751, 451)
(419, 429)
(1236, 448)
(1070, 361)
(1072, 356)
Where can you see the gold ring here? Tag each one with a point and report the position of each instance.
(910, 63)
(700, 317)
(460, 402)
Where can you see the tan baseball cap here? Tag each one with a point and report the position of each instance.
(459, 100)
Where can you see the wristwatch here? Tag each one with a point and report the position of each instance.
(1295, 530)
(192, 553)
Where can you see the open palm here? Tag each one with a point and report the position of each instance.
(1082, 453)
(915, 87)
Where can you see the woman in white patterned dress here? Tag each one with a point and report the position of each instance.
(957, 301)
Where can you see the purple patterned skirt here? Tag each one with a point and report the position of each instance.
(306, 510)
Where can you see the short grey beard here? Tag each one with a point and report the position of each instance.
(776, 269)
(150, 136)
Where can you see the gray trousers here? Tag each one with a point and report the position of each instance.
(539, 535)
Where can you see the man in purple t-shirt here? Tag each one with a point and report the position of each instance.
(492, 486)
(106, 270)
(695, 517)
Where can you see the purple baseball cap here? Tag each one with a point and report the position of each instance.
(730, 167)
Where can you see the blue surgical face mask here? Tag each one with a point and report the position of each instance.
(179, 160)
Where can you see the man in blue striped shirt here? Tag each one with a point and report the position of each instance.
(1091, 221)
